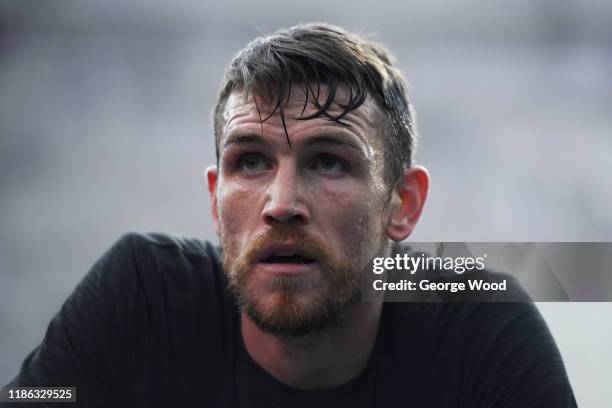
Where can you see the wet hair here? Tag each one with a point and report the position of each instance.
(313, 55)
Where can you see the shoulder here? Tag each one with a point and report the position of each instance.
(165, 258)
(500, 343)
(459, 318)
(476, 351)
(154, 264)
(155, 241)
(468, 319)
(153, 277)
(164, 250)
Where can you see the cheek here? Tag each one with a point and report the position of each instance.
(353, 217)
(236, 211)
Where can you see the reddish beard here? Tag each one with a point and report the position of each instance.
(283, 313)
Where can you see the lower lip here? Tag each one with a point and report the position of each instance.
(288, 269)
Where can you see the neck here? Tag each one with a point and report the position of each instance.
(326, 359)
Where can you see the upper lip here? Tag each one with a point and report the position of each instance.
(285, 250)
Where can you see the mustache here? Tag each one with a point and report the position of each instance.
(286, 234)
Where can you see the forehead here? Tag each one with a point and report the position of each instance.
(247, 112)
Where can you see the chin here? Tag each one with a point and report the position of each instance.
(288, 314)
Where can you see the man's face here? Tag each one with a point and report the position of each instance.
(298, 225)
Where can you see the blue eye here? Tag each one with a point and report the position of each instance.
(252, 162)
(328, 164)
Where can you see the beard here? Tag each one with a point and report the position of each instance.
(283, 311)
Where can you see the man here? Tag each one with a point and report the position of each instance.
(314, 136)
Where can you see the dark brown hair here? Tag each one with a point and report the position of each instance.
(314, 55)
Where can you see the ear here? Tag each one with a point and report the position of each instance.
(211, 178)
(407, 201)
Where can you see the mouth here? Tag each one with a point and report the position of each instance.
(287, 260)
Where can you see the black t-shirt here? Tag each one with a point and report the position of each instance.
(152, 324)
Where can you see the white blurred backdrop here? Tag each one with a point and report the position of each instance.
(104, 129)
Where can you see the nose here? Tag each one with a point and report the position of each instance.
(285, 201)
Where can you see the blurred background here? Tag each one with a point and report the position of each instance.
(104, 129)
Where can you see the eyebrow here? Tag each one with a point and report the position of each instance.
(332, 140)
(245, 139)
(324, 139)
